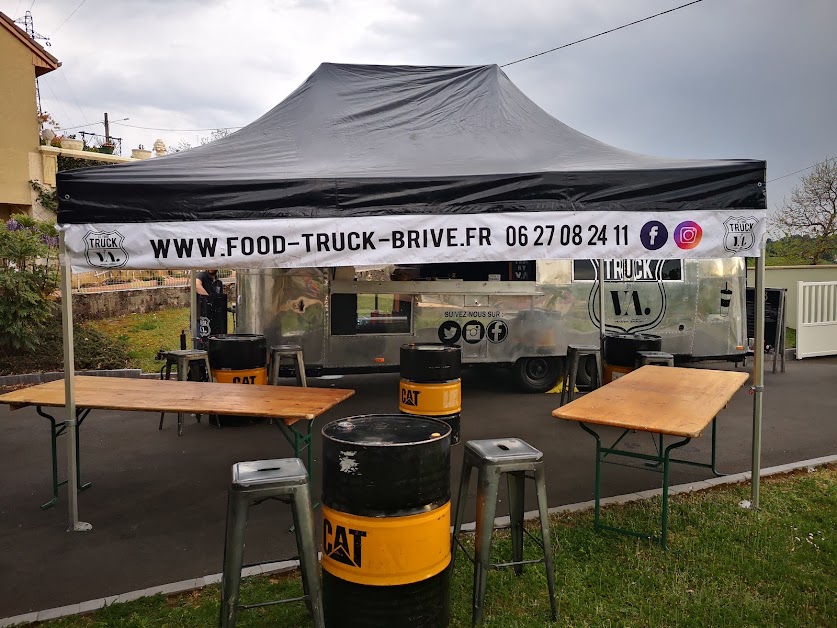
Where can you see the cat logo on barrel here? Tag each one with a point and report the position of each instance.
(336, 544)
(410, 397)
(103, 249)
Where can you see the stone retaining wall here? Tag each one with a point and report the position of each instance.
(98, 305)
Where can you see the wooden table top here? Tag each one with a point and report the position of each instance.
(660, 399)
(291, 403)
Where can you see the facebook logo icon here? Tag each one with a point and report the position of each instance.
(653, 235)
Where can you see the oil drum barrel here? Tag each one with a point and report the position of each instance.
(386, 522)
(237, 359)
(430, 383)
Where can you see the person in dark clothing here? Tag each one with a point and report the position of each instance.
(207, 283)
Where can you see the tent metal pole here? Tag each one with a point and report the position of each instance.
(758, 377)
(602, 326)
(193, 307)
(66, 271)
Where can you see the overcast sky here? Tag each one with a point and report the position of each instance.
(719, 79)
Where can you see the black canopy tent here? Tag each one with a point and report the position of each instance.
(367, 156)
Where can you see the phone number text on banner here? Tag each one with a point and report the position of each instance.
(414, 239)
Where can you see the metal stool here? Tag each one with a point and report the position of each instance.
(252, 483)
(183, 359)
(574, 355)
(658, 358)
(492, 458)
(289, 353)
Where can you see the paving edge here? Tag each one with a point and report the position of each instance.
(276, 567)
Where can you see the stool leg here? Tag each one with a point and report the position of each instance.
(573, 376)
(464, 483)
(487, 489)
(300, 370)
(599, 371)
(565, 379)
(168, 376)
(237, 507)
(183, 376)
(540, 486)
(307, 549)
(515, 481)
(273, 375)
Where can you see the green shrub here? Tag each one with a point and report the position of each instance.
(93, 350)
(28, 281)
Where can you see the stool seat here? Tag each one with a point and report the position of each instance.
(185, 353)
(657, 358)
(286, 471)
(497, 451)
(584, 348)
(286, 348)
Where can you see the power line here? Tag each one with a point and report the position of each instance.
(14, 15)
(81, 126)
(790, 174)
(73, 94)
(151, 128)
(49, 85)
(645, 19)
(68, 17)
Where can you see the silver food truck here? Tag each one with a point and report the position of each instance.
(520, 315)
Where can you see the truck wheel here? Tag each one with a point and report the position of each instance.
(536, 375)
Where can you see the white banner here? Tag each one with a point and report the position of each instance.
(415, 239)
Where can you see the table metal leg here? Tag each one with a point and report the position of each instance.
(663, 458)
(57, 429)
(299, 441)
(664, 536)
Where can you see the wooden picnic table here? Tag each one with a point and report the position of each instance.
(668, 401)
(284, 406)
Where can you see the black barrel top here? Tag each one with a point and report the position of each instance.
(384, 430)
(386, 465)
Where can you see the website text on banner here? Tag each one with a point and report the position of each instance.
(414, 239)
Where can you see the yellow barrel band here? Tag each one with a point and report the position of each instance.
(430, 399)
(386, 551)
(242, 376)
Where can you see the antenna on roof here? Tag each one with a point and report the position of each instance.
(29, 26)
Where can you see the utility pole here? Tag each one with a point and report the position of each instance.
(107, 129)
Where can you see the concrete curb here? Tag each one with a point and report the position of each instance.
(500, 522)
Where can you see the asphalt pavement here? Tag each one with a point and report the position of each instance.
(158, 502)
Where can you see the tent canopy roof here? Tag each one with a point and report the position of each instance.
(360, 140)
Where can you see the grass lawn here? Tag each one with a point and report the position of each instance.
(726, 567)
(147, 333)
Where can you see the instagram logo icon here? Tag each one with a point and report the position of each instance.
(687, 234)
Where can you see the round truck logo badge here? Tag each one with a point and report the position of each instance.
(103, 249)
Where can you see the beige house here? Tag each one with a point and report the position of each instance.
(22, 159)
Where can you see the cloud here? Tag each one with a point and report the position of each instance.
(750, 78)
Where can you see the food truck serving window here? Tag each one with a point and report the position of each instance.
(480, 271)
(624, 270)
